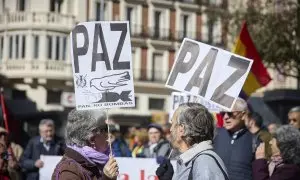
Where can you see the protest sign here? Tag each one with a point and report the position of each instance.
(102, 65)
(129, 168)
(178, 98)
(210, 72)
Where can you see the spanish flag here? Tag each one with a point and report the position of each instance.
(258, 76)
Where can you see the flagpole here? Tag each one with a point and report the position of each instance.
(3, 108)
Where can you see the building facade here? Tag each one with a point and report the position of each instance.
(34, 45)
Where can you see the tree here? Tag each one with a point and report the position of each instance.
(275, 29)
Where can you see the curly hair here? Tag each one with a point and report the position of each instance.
(81, 126)
(198, 123)
(288, 142)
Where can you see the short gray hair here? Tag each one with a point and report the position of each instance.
(81, 126)
(198, 123)
(47, 122)
(288, 142)
(294, 109)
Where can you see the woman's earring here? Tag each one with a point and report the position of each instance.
(93, 145)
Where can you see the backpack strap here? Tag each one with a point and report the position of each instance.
(190, 177)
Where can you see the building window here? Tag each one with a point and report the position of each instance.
(10, 47)
(157, 15)
(55, 5)
(157, 67)
(214, 31)
(49, 42)
(21, 5)
(23, 46)
(156, 104)
(17, 47)
(98, 11)
(53, 97)
(129, 13)
(57, 49)
(36, 47)
(64, 48)
(184, 19)
(1, 47)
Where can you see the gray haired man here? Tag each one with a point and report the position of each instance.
(294, 117)
(44, 144)
(192, 133)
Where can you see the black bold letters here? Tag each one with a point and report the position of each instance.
(99, 56)
(196, 81)
(116, 64)
(219, 95)
(79, 51)
(182, 67)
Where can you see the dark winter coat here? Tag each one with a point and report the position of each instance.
(282, 172)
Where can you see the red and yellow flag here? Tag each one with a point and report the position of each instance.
(258, 76)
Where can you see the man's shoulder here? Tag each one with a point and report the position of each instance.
(35, 139)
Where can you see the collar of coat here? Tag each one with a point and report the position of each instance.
(70, 153)
(194, 150)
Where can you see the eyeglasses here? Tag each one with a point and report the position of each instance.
(231, 114)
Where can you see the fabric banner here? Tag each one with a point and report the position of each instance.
(129, 168)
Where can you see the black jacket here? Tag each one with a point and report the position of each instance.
(34, 150)
(238, 156)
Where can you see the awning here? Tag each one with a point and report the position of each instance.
(20, 107)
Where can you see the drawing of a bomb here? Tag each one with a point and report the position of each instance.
(81, 81)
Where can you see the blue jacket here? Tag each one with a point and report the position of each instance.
(237, 156)
(32, 152)
(120, 148)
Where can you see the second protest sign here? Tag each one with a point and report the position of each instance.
(209, 72)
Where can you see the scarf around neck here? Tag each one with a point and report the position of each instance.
(93, 156)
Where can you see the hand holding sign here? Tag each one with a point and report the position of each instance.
(102, 68)
(210, 72)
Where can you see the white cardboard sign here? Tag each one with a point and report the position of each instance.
(129, 168)
(102, 65)
(210, 72)
(178, 98)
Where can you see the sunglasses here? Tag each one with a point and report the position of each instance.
(231, 114)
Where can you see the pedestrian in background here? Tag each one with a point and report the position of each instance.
(285, 163)
(294, 117)
(254, 123)
(235, 144)
(44, 144)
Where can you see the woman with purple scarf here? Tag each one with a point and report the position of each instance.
(285, 160)
(86, 156)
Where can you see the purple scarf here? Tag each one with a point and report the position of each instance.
(93, 156)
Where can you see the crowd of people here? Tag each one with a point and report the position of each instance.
(243, 149)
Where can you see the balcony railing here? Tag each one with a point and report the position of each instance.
(36, 69)
(150, 75)
(36, 19)
(163, 34)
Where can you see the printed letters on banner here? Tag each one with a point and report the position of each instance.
(178, 98)
(102, 65)
(209, 72)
